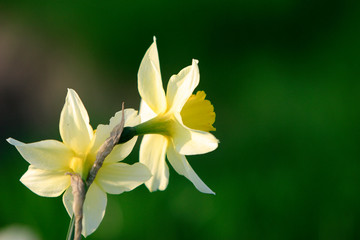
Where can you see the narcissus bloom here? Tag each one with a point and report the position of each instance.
(51, 161)
(175, 124)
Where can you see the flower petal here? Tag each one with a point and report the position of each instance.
(68, 200)
(47, 154)
(181, 86)
(120, 151)
(93, 209)
(116, 178)
(145, 112)
(45, 183)
(191, 142)
(149, 80)
(199, 142)
(75, 129)
(182, 167)
(152, 154)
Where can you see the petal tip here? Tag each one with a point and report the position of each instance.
(71, 91)
(208, 191)
(13, 141)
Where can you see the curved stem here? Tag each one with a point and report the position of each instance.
(70, 233)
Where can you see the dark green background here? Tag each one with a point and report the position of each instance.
(283, 77)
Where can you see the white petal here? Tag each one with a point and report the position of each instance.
(93, 210)
(47, 154)
(145, 112)
(152, 154)
(131, 118)
(191, 142)
(198, 142)
(46, 183)
(116, 178)
(120, 151)
(181, 86)
(68, 200)
(182, 167)
(149, 80)
(75, 129)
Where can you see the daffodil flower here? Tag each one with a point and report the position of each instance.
(51, 161)
(175, 124)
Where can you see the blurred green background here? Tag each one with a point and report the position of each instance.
(284, 79)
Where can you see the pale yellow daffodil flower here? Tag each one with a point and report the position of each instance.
(51, 161)
(175, 124)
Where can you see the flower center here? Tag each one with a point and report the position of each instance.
(198, 113)
(82, 164)
(77, 165)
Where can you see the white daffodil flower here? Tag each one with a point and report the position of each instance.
(51, 161)
(175, 124)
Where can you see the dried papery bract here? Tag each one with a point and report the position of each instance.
(78, 191)
(106, 149)
(78, 186)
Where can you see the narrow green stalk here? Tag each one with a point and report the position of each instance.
(162, 124)
(70, 233)
(127, 134)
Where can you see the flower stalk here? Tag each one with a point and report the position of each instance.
(70, 233)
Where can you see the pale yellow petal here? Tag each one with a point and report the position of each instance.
(93, 209)
(121, 151)
(197, 142)
(103, 132)
(116, 178)
(152, 154)
(47, 154)
(149, 81)
(191, 142)
(75, 129)
(46, 183)
(68, 200)
(181, 86)
(145, 112)
(182, 167)
(131, 118)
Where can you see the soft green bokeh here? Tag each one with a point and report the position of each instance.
(283, 77)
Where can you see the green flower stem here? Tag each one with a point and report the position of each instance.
(127, 134)
(159, 125)
(162, 124)
(70, 233)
